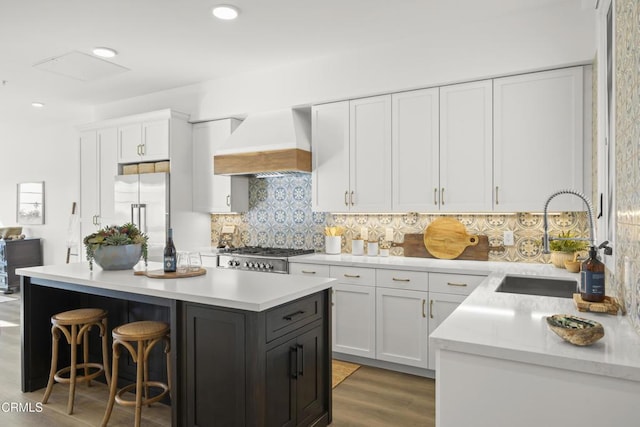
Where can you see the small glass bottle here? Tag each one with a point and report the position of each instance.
(169, 254)
(592, 277)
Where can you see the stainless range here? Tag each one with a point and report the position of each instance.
(254, 258)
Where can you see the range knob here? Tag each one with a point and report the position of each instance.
(236, 263)
(251, 265)
(269, 267)
(245, 265)
(230, 263)
(262, 265)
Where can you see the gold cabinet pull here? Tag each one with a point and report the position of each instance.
(352, 276)
(497, 202)
(431, 309)
(442, 196)
(456, 284)
(346, 203)
(395, 279)
(435, 196)
(309, 272)
(424, 301)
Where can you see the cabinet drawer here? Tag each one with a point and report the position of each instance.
(354, 275)
(289, 317)
(399, 279)
(461, 284)
(310, 270)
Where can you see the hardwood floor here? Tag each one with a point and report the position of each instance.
(370, 397)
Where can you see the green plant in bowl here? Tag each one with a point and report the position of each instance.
(567, 246)
(116, 236)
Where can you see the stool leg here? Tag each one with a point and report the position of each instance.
(167, 351)
(139, 381)
(146, 381)
(105, 351)
(55, 338)
(113, 385)
(85, 353)
(74, 361)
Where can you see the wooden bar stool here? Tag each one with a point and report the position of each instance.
(147, 334)
(75, 326)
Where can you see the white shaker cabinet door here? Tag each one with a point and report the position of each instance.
(440, 307)
(538, 139)
(215, 193)
(108, 167)
(155, 146)
(354, 320)
(130, 143)
(415, 150)
(330, 157)
(370, 154)
(401, 326)
(466, 144)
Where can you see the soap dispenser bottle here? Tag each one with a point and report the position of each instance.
(592, 277)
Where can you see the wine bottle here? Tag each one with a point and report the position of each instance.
(169, 254)
(592, 277)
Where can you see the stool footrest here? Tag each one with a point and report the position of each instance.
(79, 377)
(148, 401)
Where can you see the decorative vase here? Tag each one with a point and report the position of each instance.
(558, 258)
(117, 257)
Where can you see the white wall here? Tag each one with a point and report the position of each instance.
(559, 35)
(48, 154)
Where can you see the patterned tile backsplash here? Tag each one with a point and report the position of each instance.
(280, 215)
(625, 280)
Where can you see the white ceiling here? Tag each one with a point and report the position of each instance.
(172, 43)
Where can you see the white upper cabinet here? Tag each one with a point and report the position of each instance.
(370, 154)
(415, 150)
(330, 157)
(538, 140)
(144, 141)
(466, 147)
(215, 193)
(98, 168)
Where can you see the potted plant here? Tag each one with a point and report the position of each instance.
(116, 247)
(564, 250)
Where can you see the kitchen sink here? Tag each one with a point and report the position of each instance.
(538, 286)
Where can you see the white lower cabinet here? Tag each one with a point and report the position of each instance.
(440, 307)
(354, 320)
(388, 314)
(401, 326)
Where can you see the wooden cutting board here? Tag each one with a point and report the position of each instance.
(413, 246)
(447, 238)
(160, 274)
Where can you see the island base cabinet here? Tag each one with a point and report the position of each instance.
(295, 388)
(239, 372)
(216, 393)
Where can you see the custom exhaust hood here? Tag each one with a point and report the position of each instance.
(267, 144)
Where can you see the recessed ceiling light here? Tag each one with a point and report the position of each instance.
(104, 52)
(226, 12)
(37, 104)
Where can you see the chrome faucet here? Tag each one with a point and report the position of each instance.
(592, 230)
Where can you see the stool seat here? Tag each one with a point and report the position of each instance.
(79, 316)
(75, 326)
(143, 330)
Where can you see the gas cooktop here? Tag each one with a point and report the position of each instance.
(257, 258)
(261, 251)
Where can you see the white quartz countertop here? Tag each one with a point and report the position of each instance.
(434, 265)
(513, 326)
(245, 290)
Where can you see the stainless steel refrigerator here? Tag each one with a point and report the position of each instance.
(144, 200)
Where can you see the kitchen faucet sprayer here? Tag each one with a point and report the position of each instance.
(592, 229)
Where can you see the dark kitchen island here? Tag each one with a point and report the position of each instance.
(246, 348)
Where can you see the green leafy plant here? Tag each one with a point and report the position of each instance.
(568, 246)
(113, 235)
